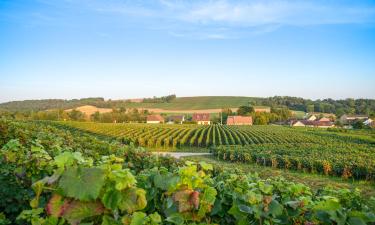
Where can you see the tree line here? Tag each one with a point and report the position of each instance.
(277, 115)
(337, 107)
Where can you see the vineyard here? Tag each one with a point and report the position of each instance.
(343, 160)
(181, 136)
(53, 176)
(306, 150)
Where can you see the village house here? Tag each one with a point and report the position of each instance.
(310, 123)
(324, 119)
(201, 118)
(239, 120)
(297, 123)
(369, 122)
(155, 119)
(349, 119)
(176, 119)
(312, 118)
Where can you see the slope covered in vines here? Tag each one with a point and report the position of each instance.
(54, 176)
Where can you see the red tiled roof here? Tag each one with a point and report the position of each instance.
(233, 120)
(155, 118)
(201, 117)
(317, 123)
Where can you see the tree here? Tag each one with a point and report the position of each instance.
(225, 112)
(310, 108)
(245, 110)
(96, 117)
(76, 115)
(261, 120)
(359, 125)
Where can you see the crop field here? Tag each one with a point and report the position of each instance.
(186, 136)
(348, 155)
(53, 175)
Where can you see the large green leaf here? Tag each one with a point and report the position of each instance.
(123, 179)
(67, 159)
(328, 205)
(111, 199)
(82, 183)
(175, 218)
(275, 208)
(139, 218)
(209, 195)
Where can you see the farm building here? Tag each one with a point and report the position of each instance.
(176, 119)
(324, 119)
(369, 122)
(202, 118)
(309, 123)
(239, 120)
(297, 123)
(311, 118)
(155, 119)
(349, 119)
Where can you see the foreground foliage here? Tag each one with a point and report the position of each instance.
(108, 183)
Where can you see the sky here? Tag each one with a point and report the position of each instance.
(122, 49)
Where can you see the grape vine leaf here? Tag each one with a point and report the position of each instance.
(133, 199)
(82, 183)
(111, 199)
(183, 199)
(206, 166)
(123, 179)
(56, 205)
(275, 208)
(77, 211)
(175, 218)
(139, 218)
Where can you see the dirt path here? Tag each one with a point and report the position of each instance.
(178, 155)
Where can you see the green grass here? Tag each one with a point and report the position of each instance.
(204, 102)
(315, 181)
(299, 114)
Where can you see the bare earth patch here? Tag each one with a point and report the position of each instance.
(89, 110)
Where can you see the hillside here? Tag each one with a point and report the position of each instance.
(338, 107)
(88, 110)
(181, 103)
(200, 102)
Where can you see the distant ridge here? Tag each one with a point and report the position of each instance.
(356, 106)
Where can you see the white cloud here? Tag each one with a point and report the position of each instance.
(255, 13)
(202, 18)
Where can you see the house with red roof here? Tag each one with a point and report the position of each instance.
(239, 120)
(202, 118)
(155, 119)
(311, 123)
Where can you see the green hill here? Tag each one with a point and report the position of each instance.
(200, 102)
(338, 107)
(182, 103)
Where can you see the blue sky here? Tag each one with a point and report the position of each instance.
(130, 48)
